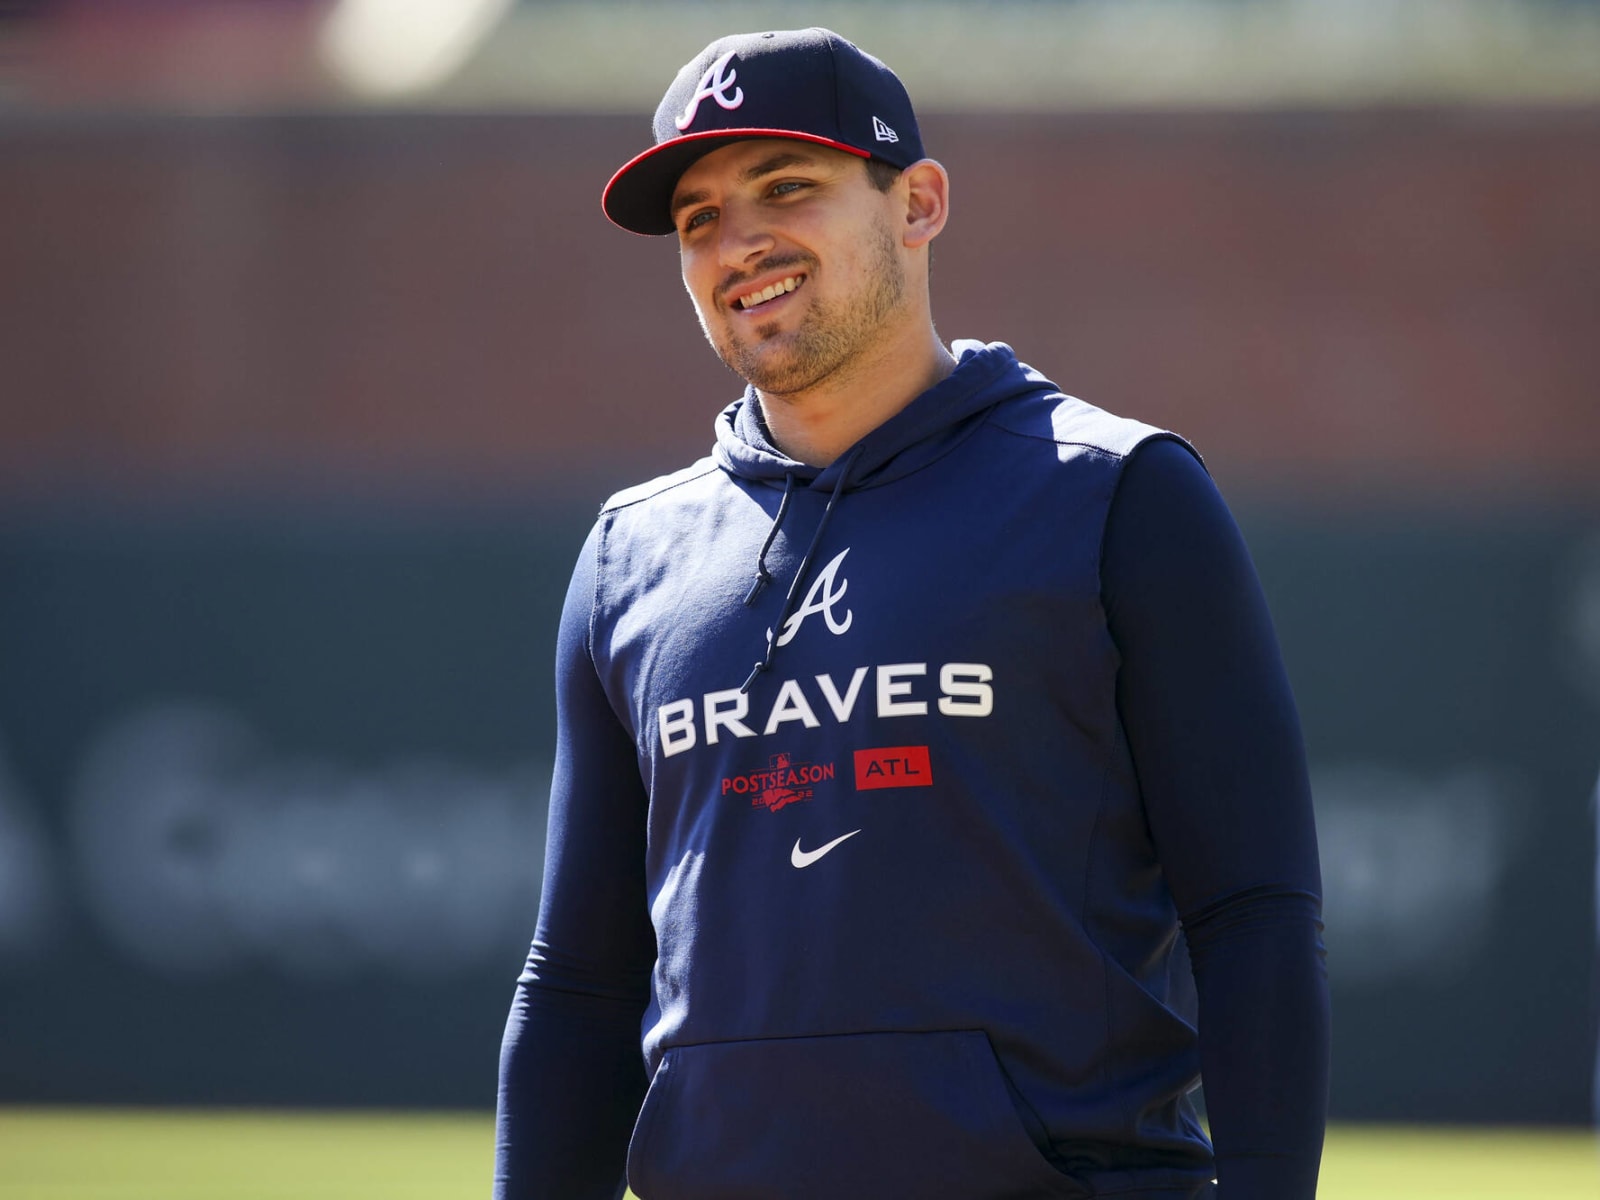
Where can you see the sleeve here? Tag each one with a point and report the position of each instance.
(1216, 743)
(571, 1069)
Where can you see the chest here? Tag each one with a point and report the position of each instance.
(920, 600)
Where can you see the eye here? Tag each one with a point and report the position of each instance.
(789, 186)
(698, 219)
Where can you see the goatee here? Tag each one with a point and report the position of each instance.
(829, 337)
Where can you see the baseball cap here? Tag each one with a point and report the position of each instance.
(808, 84)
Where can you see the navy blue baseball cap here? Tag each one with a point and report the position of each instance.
(808, 84)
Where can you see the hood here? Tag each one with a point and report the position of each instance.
(925, 430)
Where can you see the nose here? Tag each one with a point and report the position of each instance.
(743, 238)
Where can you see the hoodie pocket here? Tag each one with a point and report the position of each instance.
(852, 1117)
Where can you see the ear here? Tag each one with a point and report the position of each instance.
(927, 193)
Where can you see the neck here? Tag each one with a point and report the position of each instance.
(819, 424)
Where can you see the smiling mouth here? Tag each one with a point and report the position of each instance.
(771, 292)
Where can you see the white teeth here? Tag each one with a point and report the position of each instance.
(770, 292)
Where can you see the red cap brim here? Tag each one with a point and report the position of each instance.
(639, 195)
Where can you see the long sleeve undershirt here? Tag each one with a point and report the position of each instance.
(1216, 742)
(571, 1067)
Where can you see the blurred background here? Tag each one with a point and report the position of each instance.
(317, 358)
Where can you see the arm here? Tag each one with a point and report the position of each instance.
(1217, 746)
(571, 1069)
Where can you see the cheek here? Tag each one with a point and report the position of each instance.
(699, 297)
(699, 287)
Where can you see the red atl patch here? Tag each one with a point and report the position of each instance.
(893, 767)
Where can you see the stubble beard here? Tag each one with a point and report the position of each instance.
(829, 338)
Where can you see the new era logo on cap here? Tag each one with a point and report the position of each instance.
(807, 84)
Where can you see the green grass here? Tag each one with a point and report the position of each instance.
(142, 1154)
(92, 1154)
(1398, 1163)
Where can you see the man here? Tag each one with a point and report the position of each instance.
(898, 737)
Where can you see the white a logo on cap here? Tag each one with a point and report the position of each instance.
(714, 85)
(882, 132)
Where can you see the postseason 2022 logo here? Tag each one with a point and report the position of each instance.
(783, 782)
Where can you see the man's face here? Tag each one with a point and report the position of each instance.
(802, 225)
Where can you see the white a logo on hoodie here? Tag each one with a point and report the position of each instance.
(820, 598)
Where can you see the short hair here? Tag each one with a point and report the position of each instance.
(882, 174)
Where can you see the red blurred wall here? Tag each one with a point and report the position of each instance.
(1340, 305)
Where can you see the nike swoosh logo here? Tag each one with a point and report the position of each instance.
(804, 858)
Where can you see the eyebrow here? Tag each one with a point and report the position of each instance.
(781, 161)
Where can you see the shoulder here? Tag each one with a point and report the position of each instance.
(1169, 531)
(680, 485)
(643, 530)
(1075, 427)
(1167, 468)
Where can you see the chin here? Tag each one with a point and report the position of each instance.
(769, 368)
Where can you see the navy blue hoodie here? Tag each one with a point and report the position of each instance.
(853, 739)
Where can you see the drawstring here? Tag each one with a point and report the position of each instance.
(776, 631)
(763, 576)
